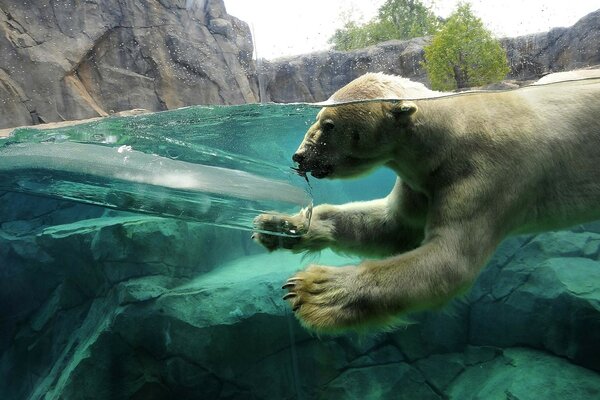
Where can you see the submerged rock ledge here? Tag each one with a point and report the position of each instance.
(121, 305)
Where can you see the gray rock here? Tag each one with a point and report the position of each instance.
(220, 26)
(441, 331)
(525, 374)
(66, 279)
(201, 336)
(440, 370)
(86, 59)
(392, 381)
(560, 49)
(314, 77)
(73, 60)
(546, 296)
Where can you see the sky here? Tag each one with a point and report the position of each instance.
(290, 27)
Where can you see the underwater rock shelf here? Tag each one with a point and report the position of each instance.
(120, 305)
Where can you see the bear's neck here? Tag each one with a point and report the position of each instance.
(426, 146)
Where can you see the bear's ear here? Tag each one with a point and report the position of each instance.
(400, 109)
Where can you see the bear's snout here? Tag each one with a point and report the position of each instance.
(298, 158)
(317, 170)
(303, 160)
(310, 159)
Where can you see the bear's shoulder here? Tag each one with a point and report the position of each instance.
(377, 85)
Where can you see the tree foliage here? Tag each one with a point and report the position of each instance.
(464, 53)
(408, 18)
(396, 19)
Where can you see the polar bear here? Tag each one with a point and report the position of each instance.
(472, 169)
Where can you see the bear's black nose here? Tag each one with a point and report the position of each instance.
(298, 158)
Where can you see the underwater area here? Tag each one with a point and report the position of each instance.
(140, 140)
(97, 302)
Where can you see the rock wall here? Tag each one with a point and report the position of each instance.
(70, 59)
(121, 306)
(67, 59)
(314, 77)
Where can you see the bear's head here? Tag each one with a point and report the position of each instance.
(363, 128)
(350, 140)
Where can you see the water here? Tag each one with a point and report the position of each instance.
(135, 290)
(195, 164)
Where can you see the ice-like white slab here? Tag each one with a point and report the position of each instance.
(126, 179)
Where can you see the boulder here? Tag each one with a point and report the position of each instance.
(560, 49)
(93, 58)
(521, 373)
(544, 294)
(73, 60)
(315, 76)
(65, 277)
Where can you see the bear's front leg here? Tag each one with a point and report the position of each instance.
(318, 236)
(373, 294)
(335, 299)
(328, 299)
(371, 228)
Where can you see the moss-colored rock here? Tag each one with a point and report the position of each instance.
(525, 374)
(386, 382)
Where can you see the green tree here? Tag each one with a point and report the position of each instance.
(396, 19)
(408, 19)
(464, 53)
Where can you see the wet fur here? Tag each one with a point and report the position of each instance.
(472, 170)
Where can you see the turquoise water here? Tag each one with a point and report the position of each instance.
(118, 283)
(193, 164)
(218, 165)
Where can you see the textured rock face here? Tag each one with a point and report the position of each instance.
(121, 306)
(546, 296)
(65, 60)
(67, 278)
(314, 77)
(560, 49)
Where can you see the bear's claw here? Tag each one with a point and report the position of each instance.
(290, 283)
(322, 298)
(289, 295)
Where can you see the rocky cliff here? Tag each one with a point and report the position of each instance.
(64, 60)
(314, 77)
(70, 59)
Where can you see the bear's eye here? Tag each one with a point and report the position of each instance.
(327, 125)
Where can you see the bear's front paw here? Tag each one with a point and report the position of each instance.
(329, 299)
(282, 223)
